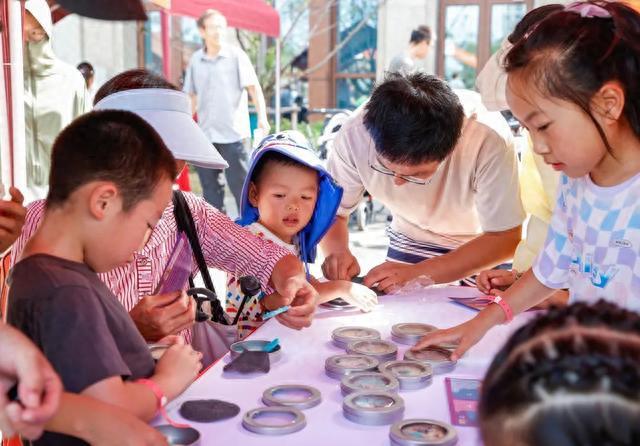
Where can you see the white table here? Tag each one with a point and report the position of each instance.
(302, 362)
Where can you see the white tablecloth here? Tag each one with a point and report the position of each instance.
(303, 356)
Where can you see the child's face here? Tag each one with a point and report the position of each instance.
(562, 133)
(122, 233)
(285, 197)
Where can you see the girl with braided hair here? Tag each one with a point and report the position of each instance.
(570, 377)
(573, 81)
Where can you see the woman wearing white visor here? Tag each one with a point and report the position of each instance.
(225, 245)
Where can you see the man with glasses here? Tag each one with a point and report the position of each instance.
(449, 180)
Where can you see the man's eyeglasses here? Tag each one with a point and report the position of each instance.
(378, 167)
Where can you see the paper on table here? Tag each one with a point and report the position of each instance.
(178, 268)
(463, 396)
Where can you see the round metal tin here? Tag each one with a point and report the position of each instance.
(338, 366)
(344, 336)
(379, 349)
(410, 333)
(338, 304)
(437, 357)
(410, 374)
(373, 408)
(370, 382)
(254, 345)
(422, 432)
(179, 436)
(274, 420)
(296, 396)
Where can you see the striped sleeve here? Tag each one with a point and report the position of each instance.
(35, 213)
(232, 248)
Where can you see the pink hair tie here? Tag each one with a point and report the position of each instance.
(588, 10)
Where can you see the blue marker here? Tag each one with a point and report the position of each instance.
(270, 314)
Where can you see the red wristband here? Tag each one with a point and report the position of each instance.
(508, 313)
(161, 400)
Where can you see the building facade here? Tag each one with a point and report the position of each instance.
(352, 42)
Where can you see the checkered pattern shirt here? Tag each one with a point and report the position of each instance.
(225, 246)
(593, 243)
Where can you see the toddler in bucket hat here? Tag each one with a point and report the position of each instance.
(290, 199)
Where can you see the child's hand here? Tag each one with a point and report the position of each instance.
(493, 280)
(39, 388)
(359, 295)
(467, 335)
(177, 368)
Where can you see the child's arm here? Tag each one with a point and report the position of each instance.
(177, 368)
(524, 294)
(101, 424)
(358, 295)
(38, 385)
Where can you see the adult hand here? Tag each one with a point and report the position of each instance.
(39, 388)
(161, 315)
(340, 265)
(493, 281)
(390, 276)
(303, 307)
(12, 214)
(466, 335)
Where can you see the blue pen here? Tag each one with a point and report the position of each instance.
(270, 314)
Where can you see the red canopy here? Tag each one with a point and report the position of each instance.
(252, 15)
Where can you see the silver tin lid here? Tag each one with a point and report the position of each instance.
(422, 432)
(338, 304)
(373, 408)
(369, 381)
(438, 358)
(411, 332)
(410, 374)
(343, 336)
(338, 366)
(296, 396)
(255, 345)
(377, 348)
(179, 436)
(274, 420)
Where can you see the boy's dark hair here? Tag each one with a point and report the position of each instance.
(570, 57)
(273, 157)
(109, 145)
(132, 80)
(421, 34)
(414, 119)
(569, 377)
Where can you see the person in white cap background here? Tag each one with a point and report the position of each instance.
(54, 91)
(218, 78)
(225, 245)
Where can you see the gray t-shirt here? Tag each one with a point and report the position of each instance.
(80, 326)
(220, 84)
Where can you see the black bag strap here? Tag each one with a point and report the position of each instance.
(185, 223)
